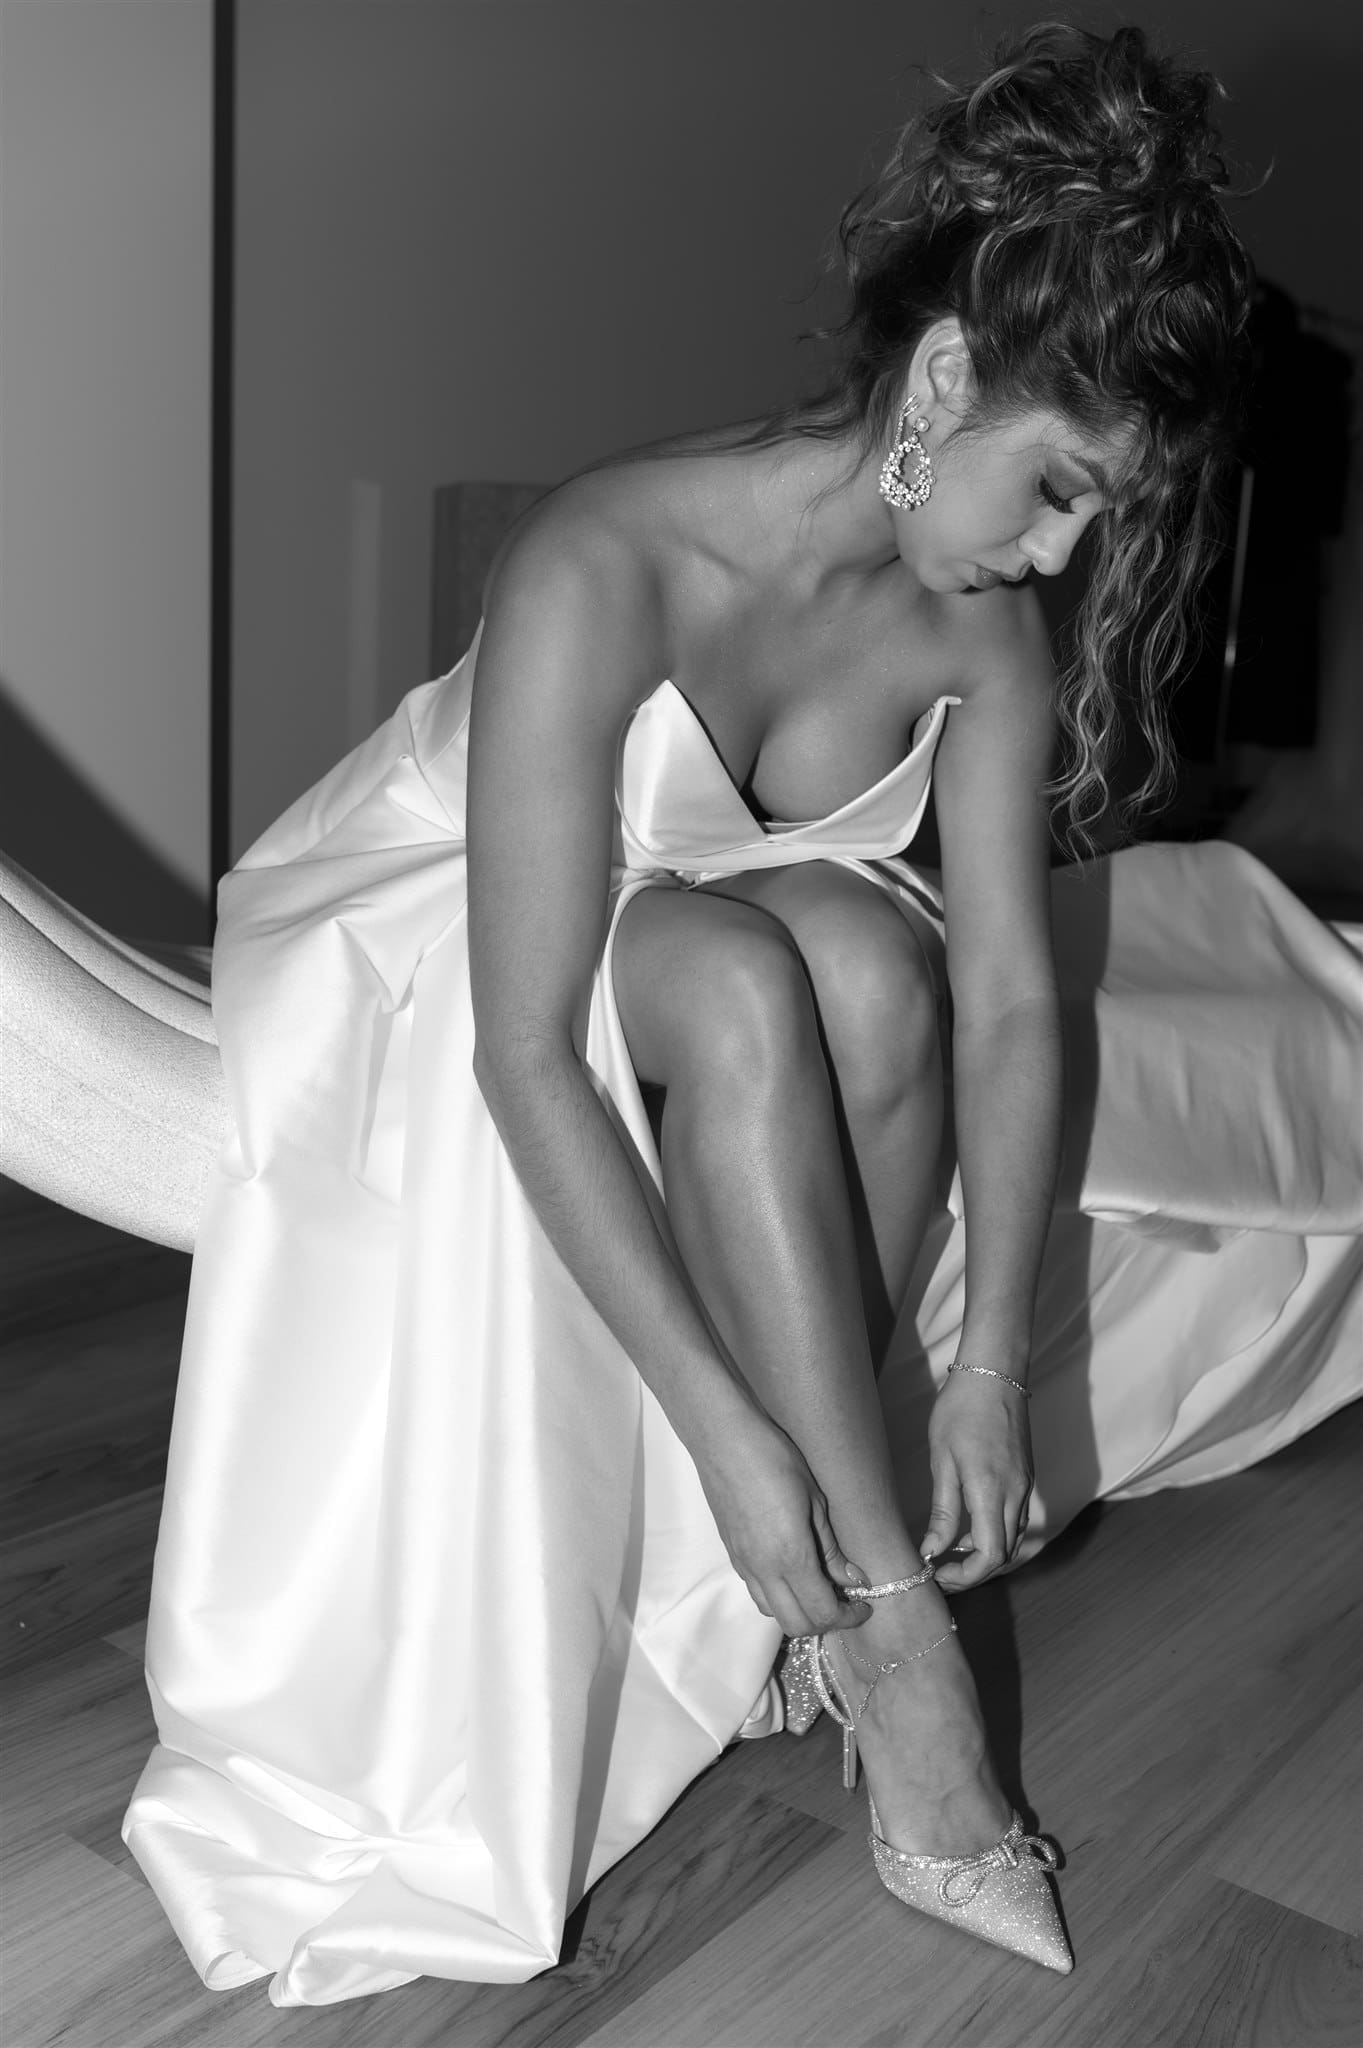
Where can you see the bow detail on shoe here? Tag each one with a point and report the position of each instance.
(964, 1877)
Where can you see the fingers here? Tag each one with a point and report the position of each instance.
(944, 1524)
(804, 1599)
(807, 1609)
(837, 1564)
(993, 1540)
(982, 1481)
(775, 1599)
(978, 1558)
(823, 1612)
(971, 1569)
(842, 1578)
(1016, 1526)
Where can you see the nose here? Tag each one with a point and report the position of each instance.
(1049, 543)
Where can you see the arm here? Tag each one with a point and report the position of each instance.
(1008, 1072)
(569, 632)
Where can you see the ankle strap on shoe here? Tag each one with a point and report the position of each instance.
(922, 1578)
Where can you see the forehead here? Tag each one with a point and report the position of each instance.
(1099, 459)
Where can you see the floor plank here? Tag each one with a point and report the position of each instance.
(1291, 1840)
(132, 1640)
(77, 1578)
(77, 1726)
(57, 1268)
(119, 1935)
(1216, 1967)
(88, 1408)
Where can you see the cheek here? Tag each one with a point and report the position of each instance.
(964, 522)
(986, 500)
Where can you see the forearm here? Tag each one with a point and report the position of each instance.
(1008, 1096)
(586, 1193)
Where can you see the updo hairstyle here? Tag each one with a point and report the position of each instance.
(1066, 210)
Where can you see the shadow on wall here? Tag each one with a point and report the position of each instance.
(58, 827)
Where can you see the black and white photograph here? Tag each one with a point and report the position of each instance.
(681, 1024)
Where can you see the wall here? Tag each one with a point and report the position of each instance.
(496, 238)
(105, 248)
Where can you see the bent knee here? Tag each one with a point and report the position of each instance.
(876, 998)
(756, 1016)
(717, 993)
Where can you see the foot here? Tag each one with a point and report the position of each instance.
(921, 1734)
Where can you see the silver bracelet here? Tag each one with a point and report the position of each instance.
(959, 1365)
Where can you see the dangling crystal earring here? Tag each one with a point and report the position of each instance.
(912, 495)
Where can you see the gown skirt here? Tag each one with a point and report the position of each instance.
(441, 1622)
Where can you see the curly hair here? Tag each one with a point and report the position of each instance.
(1066, 210)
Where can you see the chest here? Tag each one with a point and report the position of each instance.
(809, 705)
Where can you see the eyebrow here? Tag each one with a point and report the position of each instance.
(1093, 470)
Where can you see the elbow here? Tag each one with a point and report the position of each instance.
(1007, 1018)
(513, 1074)
(1004, 1003)
(502, 1080)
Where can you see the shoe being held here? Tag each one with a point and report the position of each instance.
(1002, 1894)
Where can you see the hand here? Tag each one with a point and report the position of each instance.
(774, 1521)
(980, 1445)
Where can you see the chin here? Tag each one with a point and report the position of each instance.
(944, 580)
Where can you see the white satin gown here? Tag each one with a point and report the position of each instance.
(441, 1623)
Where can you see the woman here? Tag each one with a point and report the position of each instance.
(508, 1443)
(1047, 300)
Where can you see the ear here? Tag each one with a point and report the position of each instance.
(941, 370)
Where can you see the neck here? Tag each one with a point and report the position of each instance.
(828, 528)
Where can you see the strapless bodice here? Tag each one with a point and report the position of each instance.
(681, 811)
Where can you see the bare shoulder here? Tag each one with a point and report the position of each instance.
(579, 562)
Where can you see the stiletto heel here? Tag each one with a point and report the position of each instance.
(795, 1678)
(1001, 1894)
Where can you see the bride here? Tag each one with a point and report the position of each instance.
(583, 1035)
(1047, 303)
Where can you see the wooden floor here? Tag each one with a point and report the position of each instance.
(1175, 1688)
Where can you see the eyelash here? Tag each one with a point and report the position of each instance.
(1053, 498)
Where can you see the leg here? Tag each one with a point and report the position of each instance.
(877, 1011)
(719, 1011)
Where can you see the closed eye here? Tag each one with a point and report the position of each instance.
(1054, 499)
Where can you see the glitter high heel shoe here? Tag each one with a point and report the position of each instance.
(1002, 1894)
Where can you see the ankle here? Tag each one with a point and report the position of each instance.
(893, 1567)
(906, 1618)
